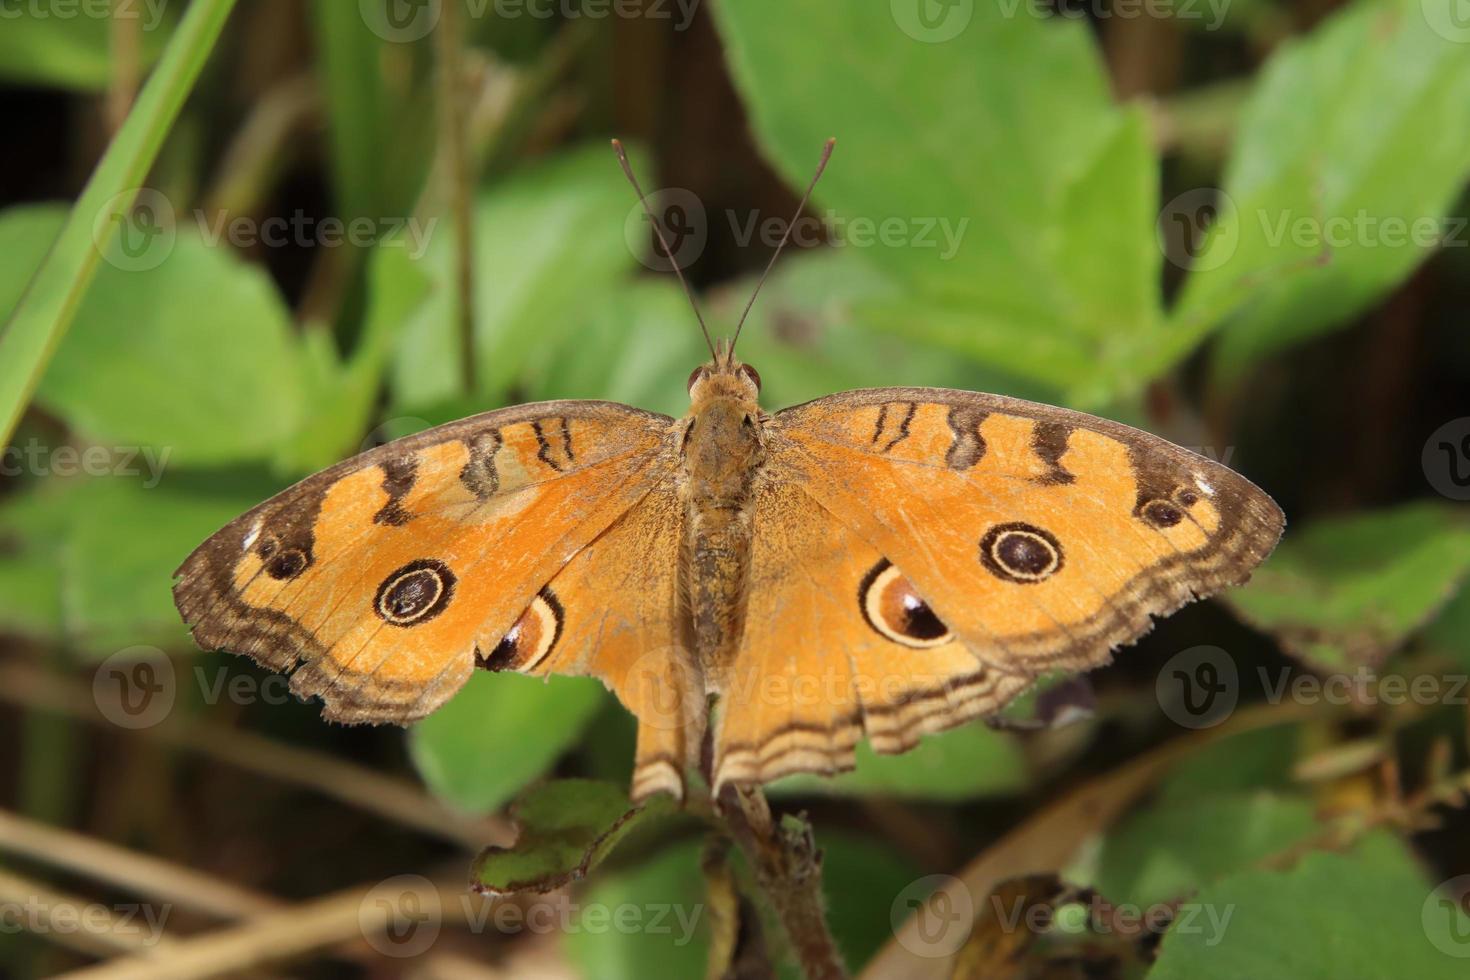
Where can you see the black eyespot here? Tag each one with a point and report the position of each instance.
(695, 375)
(752, 374)
(416, 592)
(1021, 553)
(287, 564)
(531, 638)
(895, 611)
(1161, 513)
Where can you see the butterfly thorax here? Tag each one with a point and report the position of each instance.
(723, 451)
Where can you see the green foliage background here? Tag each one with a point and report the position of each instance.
(1075, 157)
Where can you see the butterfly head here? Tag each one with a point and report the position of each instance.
(724, 377)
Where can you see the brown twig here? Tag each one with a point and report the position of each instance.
(788, 868)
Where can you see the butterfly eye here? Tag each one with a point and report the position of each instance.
(752, 374)
(694, 376)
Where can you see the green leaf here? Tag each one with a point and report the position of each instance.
(1169, 850)
(549, 250)
(1450, 631)
(567, 827)
(1349, 591)
(1361, 915)
(965, 763)
(70, 45)
(638, 349)
(37, 325)
(530, 720)
(1351, 136)
(345, 393)
(166, 356)
(113, 542)
(1252, 760)
(858, 875)
(663, 902)
(1020, 200)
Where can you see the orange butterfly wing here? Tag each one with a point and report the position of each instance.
(378, 581)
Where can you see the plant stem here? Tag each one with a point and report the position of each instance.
(455, 163)
(788, 868)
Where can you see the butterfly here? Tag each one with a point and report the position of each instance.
(879, 564)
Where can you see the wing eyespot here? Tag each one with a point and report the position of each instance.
(530, 640)
(415, 593)
(896, 611)
(1021, 553)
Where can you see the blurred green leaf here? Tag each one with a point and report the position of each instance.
(1252, 760)
(549, 252)
(69, 45)
(36, 326)
(1353, 135)
(961, 764)
(664, 900)
(1364, 915)
(112, 543)
(860, 878)
(1450, 631)
(166, 357)
(454, 748)
(1350, 590)
(1019, 202)
(807, 340)
(638, 349)
(345, 392)
(567, 827)
(1170, 849)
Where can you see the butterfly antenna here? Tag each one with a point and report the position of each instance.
(668, 252)
(821, 165)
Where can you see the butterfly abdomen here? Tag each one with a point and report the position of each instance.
(723, 451)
